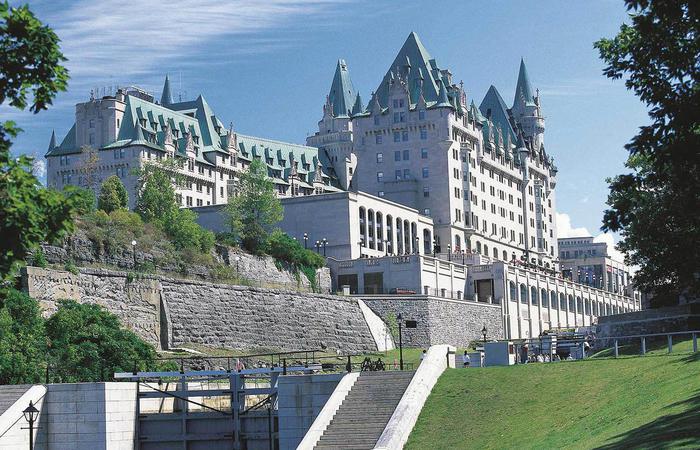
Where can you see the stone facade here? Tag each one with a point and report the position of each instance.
(662, 320)
(440, 320)
(168, 312)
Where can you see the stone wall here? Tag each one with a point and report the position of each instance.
(650, 321)
(440, 320)
(169, 312)
(261, 271)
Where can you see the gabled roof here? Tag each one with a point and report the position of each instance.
(523, 90)
(342, 93)
(493, 107)
(414, 62)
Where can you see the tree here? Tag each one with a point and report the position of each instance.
(22, 339)
(255, 209)
(87, 343)
(30, 64)
(89, 166)
(655, 205)
(156, 190)
(113, 195)
(184, 231)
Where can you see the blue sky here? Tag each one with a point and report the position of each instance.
(267, 67)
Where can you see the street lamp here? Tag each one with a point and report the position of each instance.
(306, 239)
(325, 242)
(237, 258)
(399, 319)
(417, 246)
(449, 252)
(318, 246)
(30, 415)
(133, 251)
(483, 333)
(463, 253)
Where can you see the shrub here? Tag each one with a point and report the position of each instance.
(287, 250)
(39, 259)
(113, 195)
(182, 227)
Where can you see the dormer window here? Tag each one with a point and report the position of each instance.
(176, 133)
(196, 139)
(143, 122)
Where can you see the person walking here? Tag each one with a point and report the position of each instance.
(465, 359)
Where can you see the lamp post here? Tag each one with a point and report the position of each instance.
(306, 239)
(434, 247)
(483, 333)
(133, 252)
(463, 253)
(386, 247)
(417, 246)
(399, 319)
(30, 415)
(318, 246)
(325, 242)
(238, 259)
(449, 252)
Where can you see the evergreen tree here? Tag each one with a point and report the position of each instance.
(655, 205)
(113, 195)
(255, 208)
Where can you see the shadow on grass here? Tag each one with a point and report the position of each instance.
(669, 431)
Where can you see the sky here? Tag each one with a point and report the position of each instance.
(267, 67)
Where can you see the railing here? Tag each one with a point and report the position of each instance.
(643, 340)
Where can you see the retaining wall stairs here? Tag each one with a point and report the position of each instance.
(365, 411)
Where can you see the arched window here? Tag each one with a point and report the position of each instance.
(513, 292)
(544, 298)
(458, 243)
(399, 236)
(553, 299)
(495, 253)
(486, 250)
(579, 305)
(380, 231)
(478, 247)
(572, 305)
(427, 242)
(533, 296)
(505, 255)
(562, 302)
(389, 234)
(523, 294)
(363, 226)
(370, 227)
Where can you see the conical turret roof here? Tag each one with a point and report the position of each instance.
(166, 99)
(523, 90)
(342, 94)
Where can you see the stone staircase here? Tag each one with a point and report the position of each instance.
(366, 410)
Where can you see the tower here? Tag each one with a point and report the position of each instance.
(526, 109)
(166, 98)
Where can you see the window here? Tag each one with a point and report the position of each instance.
(380, 176)
(406, 174)
(404, 134)
(92, 123)
(424, 153)
(221, 191)
(380, 194)
(426, 191)
(421, 114)
(380, 157)
(423, 134)
(397, 174)
(376, 120)
(397, 136)
(378, 139)
(397, 155)
(425, 172)
(200, 202)
(406, 155)
(91, 138)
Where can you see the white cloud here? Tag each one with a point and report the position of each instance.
(566, 230)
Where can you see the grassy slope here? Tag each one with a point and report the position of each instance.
(649, 402)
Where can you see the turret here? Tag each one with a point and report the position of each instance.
(52, 142)
(526, 109)
(166, 98)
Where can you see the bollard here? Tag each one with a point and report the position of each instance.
(616, 351)
(284, 366)
(644, 345)
(670, 343)
(348, 366)
(695, 342)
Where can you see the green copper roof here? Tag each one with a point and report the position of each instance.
(342, 94)
(357, 108)
(52, 142)
(414, 63)
(523, 90)
(493, 107)
(67, 146)
(443, 100)
(166, 99)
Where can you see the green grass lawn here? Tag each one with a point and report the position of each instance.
(606, 403)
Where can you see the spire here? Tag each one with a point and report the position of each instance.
(52, 142)
(139, 133)
(166, 99)
(357, 108)
(342, 92)
(523, 90)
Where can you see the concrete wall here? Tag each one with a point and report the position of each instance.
(216, 315)
(439, 320)
(90, 416)
(300, 399)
